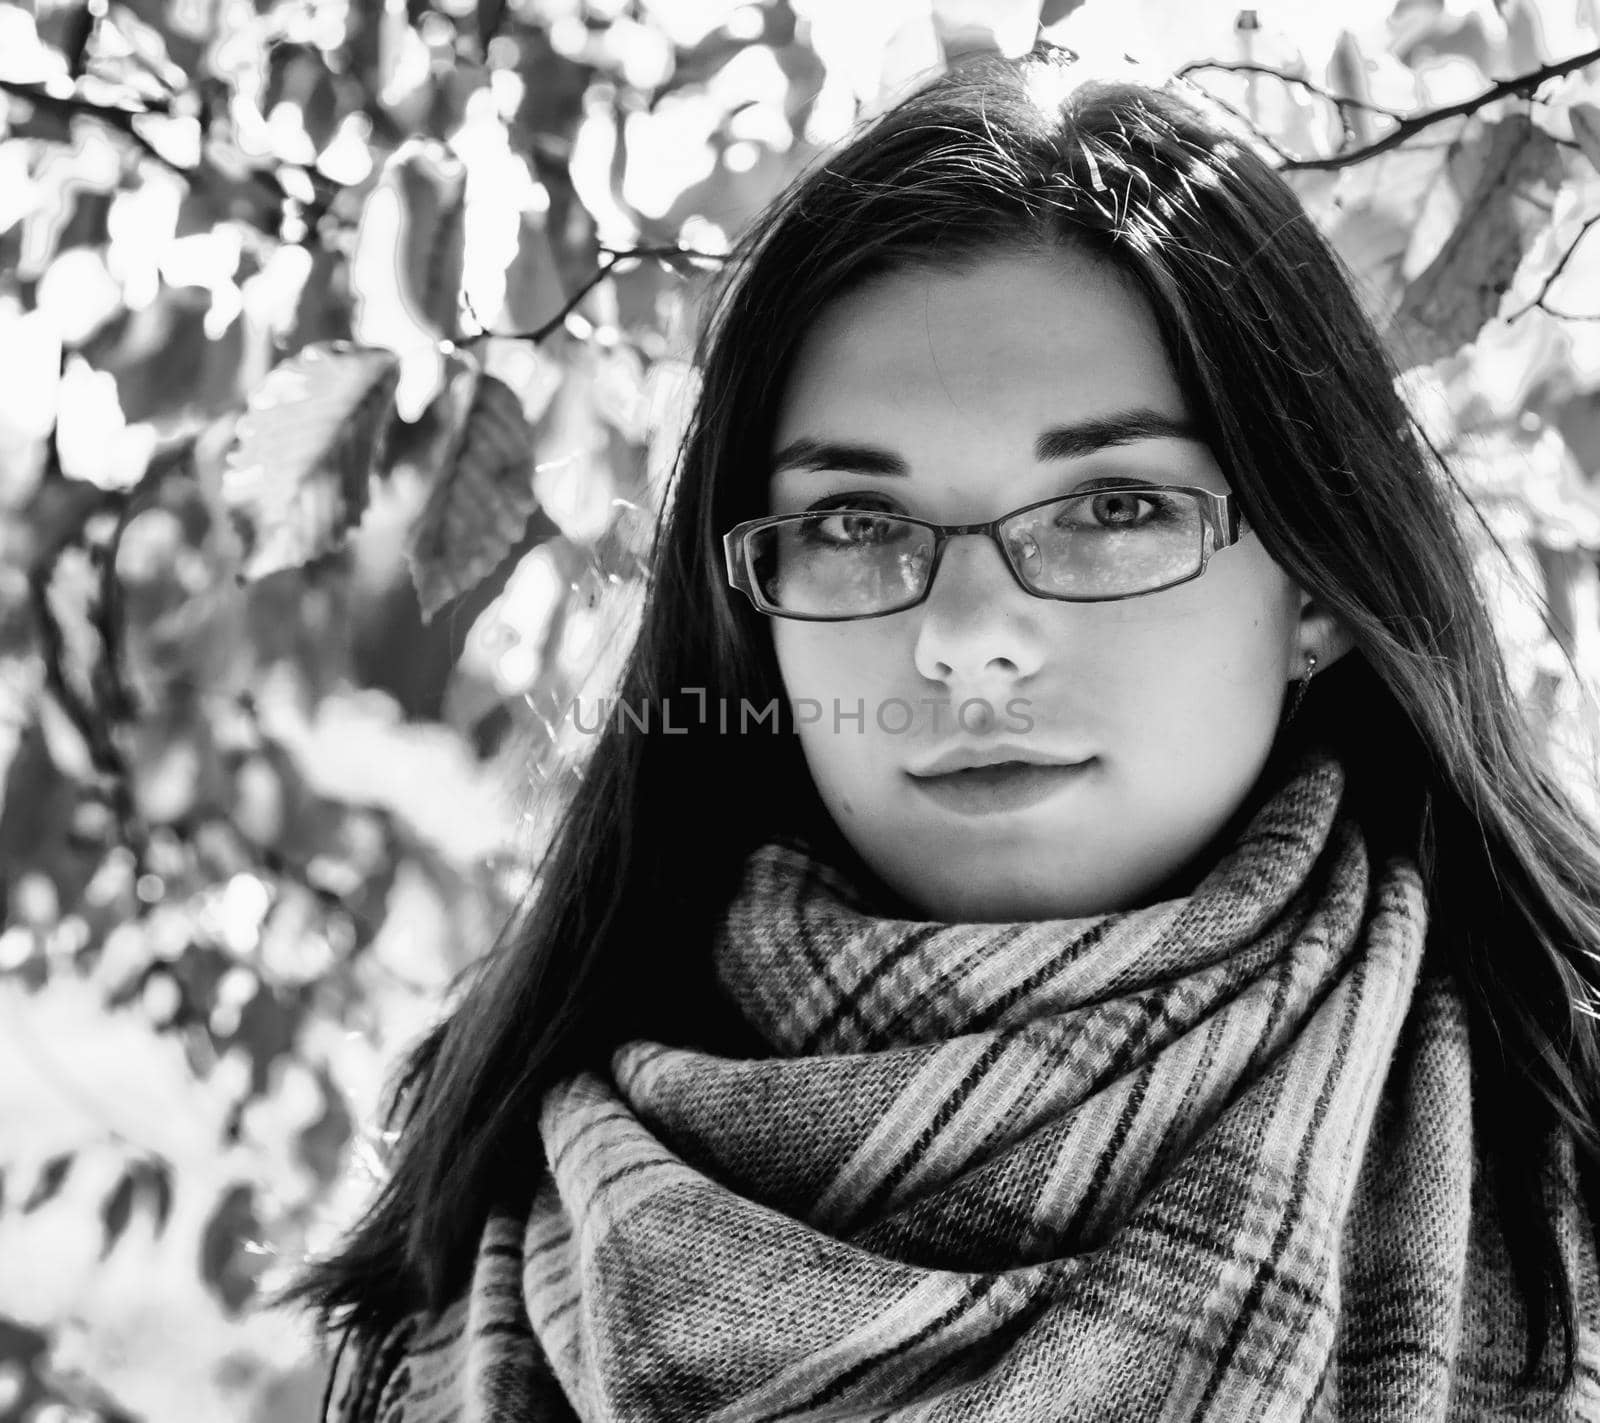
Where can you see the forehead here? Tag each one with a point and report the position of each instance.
(994, 350)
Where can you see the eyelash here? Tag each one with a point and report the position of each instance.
(873, 499)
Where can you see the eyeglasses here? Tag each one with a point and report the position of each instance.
(846, 562)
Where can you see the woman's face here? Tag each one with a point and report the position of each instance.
(930, 392)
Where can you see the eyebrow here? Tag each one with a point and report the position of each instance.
(1060, 442)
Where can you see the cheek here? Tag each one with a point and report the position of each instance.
(1208, 657)
(836, 678)
(841, 660)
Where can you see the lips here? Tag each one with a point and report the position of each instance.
(976, 758)
(1001, 786)
(996, 775)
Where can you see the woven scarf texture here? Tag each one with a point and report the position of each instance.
(1208, 1159)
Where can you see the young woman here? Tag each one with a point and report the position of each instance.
(1097, 940)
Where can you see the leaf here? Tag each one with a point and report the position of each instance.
(966, 26)
(533, 283)
(142, 1181)
(116, 1213)
(580, 458)
(321, 1144)
(1586, 129)
(38, 802)
(296, 477)
(619, 392)
(432, 186)
(166, 364)
(78, 27)
(181, 27)
(1447, 305)
(70, 1069)
(423, 445)
(299, 74)
(481, 504)
(51, 1177)
(226, 1262)
(159, 1183)
(324, 311)
(1424, 33)
(1368, 229)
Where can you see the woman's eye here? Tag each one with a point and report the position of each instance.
(1118, 509)
(853, 525)
(1113, 509)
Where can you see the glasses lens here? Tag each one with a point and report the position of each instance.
(1108, 543)
(836, 563)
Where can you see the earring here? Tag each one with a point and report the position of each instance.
(1301, 685)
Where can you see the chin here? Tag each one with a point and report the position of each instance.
(1003, 888)
(986, 899)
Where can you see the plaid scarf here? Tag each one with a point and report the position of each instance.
(1208, 1159)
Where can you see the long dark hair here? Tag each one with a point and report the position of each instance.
(1297, 398)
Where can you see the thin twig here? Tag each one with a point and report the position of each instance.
(117, 115)
(123, 119)
(1408, 128)
(1523, 84)
(113, 116)
(610, 258)
(1556, 271)
(1342, 101)
(1260, 134)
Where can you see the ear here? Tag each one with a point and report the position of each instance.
(1322, 634)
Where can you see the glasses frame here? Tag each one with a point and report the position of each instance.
(1219, 514)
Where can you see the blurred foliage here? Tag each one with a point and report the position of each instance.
(343, 360)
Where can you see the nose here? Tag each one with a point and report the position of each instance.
(978, 626)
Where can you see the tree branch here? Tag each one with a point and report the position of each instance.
(123, 120)
(1409, 127)
(1262, 136)
(113, 116)
(1341, 101)
(1555, 272)
(610, 259)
